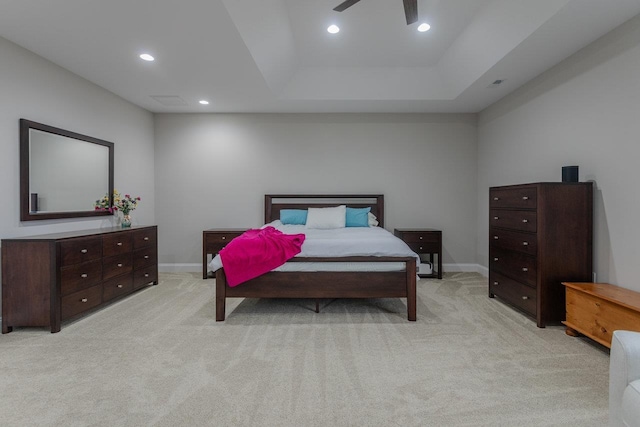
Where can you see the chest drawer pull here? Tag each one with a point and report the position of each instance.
(495, 283)
(525, 243)
(84, 275)
(495, 237)
(146, 257)
(84, 300)
(119, 265)
(525, 297)
(119, 244)
(420, 237)
(525, 221)
(119, 285)
(525, 198)
(525, 269)
(146, 274)
(224, 237)
(146, 239)
(83, 251)
(495, 259)
(496, 218)
(496, 198)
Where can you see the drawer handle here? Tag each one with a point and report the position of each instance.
(525, 243)
(420, 237)
(84, 251)
(496, 198)
(495, 259)
(119, 265)
(495, 283)
(146, 274)
(525, 269)
(496, 218)
(525, 197)
(525, 221)
(119, 285)
(145, 239)
(525, 297)
(84, 300)
(84, 275)
(119, 243)
(603, 330)
(420, 247)
(146, 257)
(495, 237)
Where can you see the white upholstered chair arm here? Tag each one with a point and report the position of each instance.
(624, 368)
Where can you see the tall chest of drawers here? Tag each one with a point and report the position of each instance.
(54, 277)
(540, 235)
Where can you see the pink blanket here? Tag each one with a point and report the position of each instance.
(258, 251)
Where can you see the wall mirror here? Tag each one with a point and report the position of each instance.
(62, 173)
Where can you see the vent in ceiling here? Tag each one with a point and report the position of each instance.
(170, 100)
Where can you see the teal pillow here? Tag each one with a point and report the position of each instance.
(293, 216)
(357, 217)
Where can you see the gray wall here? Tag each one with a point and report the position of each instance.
(586, 112)
(36, 89)
(216, 169)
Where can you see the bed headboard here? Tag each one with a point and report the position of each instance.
(274, 202)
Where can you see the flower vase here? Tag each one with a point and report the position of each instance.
(126, 221)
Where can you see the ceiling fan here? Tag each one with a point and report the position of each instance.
(410, 9)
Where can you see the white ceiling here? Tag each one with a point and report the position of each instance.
(276, 55)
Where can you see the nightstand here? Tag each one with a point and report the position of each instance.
(424, 241)
(215, 239)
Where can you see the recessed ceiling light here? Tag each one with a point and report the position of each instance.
(147, 57)
(333, 29)
(424, 27)
(203, 102)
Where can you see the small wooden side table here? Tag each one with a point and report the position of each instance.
(215, 239)
(424, 241)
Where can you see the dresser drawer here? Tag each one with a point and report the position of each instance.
(145, 257)
(513, 240)
(514, 264)
(519, 198)
(517, 294)
(145, 276)
(80, 276)
(516, 220)
(144, 238)
(117, 286)
(221, 237)
(116, 244)
(75, 251)
(117, 265)
(80, 301)
(420, 237)
(424, 247)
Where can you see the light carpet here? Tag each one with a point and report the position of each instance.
(159, 358)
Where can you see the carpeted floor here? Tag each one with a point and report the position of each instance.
(159, 358)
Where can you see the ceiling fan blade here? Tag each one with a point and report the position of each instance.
(344, 5)
(410, 11)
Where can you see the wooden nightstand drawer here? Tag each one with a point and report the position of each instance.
(424, 247)
(222, 237)
(425, 242)
(214, 240)
(421, 237)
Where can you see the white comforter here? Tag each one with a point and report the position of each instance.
(342, 242)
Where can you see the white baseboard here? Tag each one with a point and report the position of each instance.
(447, 268)
(179, 268)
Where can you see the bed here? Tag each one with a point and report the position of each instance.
(325, 284)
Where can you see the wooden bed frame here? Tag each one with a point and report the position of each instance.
(325, 284)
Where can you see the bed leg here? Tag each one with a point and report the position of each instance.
(317, 305)
(221, 288)
(410, 268)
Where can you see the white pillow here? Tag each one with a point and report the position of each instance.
(373, 221)
(327, 217)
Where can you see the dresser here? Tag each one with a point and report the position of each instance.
(424, 241)
(50, 278)
(540, 235)
(215, 239)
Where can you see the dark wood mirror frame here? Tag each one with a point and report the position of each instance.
(25, 213)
